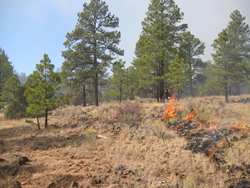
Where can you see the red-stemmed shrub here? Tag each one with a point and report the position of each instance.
(129, 113)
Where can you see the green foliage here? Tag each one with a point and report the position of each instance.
(157, 45)
(231, 49)
(177, 76)
(10, 89)
(190, 49)
(42, 97)
(6, 70)
(17, 107)
(118, 80)
(92, 45)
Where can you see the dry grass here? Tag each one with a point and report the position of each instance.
(150, 155)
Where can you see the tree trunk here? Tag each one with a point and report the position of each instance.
(38, 124)
(84, 95)
(157, 92)
(226, 92)
(96, 88)
(46, 118)
(178, 93)
(120, 97)
(191, 87)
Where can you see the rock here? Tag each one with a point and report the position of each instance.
(223, 143)
(101, 136)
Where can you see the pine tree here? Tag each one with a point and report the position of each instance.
(13, 96)
(118, 80)
(157, 45)
(76, 73)
(232, 50)
(10, 89)
(177, 76)
(6, 70)
(17, 107)
(42, 96)
(190, 49)
(93, 38)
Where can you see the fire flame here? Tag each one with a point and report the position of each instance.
(190, 116)
(211, 125)
(169, 111)
(200, 126)
(211, 156)
(242, 127)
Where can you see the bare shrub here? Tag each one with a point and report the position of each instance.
(129, 113)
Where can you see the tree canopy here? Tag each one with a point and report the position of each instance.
(6, 69)
(231, 53)
(93, 42)
(42, 96)
(157, 45)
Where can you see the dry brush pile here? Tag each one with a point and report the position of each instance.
(199, 142)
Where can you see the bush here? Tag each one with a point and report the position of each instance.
(129, 113)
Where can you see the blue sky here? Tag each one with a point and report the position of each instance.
(30, 28)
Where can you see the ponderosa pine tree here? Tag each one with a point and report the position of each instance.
(76, 73)
(157, 45)
(190, 49)
(93, 36)
(6, 70)
(118, 80)
(177, 76)
(240, 37)
(42, 96)
(232, 50)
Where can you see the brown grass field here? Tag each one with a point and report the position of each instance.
(203, 142)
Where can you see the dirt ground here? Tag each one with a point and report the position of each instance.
(194, 142)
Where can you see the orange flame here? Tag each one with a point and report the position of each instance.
(211, 156)
(242, 127)
(190, 116)
(169, 111)
(211, 125)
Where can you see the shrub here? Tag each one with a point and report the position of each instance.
(129, 113)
